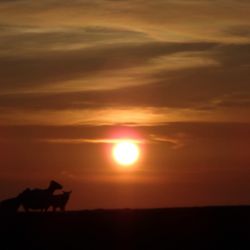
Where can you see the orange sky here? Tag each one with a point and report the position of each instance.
(175, 72)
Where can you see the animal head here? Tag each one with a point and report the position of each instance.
(55, 185)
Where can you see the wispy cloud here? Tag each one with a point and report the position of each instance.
(123, 55)
(59, 66)
(85, 140)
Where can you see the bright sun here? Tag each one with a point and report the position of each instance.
(126, 152)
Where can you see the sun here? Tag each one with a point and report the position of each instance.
(126, 152)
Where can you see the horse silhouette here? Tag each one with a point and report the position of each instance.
(39, 198)
(59, 201)
(12, 205)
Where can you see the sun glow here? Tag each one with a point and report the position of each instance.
(126, 152)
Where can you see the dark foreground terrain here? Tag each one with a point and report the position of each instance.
(173, 228)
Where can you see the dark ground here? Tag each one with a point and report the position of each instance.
(173, 228)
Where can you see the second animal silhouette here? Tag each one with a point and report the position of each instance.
(59, 201)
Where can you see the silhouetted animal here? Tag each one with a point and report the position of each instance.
(11, 205)
(39, 198)
(59, 201)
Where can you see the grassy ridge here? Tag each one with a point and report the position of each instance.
(170, 228)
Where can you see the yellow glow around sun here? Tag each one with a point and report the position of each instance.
(126, 152)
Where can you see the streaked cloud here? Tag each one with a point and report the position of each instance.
(59, 66)
(31, 39)
(61, 59)
(85, 140)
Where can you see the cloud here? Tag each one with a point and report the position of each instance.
(58, 66)
(193, 87)
(238, 31)
(143, 54)
(174, 132)
(216, 91)
(86, 140)
(186, 145)
(32, 39)
(181, 20)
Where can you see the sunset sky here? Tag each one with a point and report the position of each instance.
(172, 74)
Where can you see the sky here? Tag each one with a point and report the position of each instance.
(172, 73)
